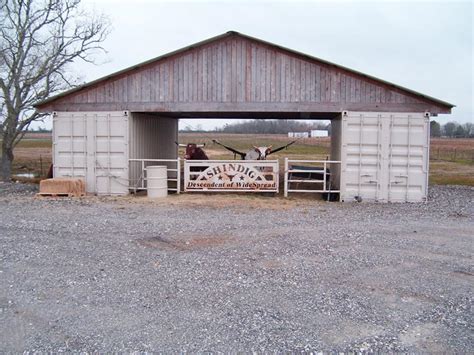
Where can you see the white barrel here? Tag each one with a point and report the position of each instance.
(157, 181)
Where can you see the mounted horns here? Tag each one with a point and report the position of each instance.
(185, 145)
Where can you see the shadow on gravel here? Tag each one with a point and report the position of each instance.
(184, 243)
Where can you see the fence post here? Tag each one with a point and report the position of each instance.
(143, 174)
(285, 187)
(455, 149)
(324, 176)
(178, 176)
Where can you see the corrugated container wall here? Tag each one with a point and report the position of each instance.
(151, 137)
(336, 145)
(384, 156)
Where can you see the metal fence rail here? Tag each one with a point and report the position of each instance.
(138, 166)
(322, 170)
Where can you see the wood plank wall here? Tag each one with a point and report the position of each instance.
(238, 70)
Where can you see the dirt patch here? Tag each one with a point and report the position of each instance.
(464, 273)
(271, 264)
(218, 201)
(424, 337)
(348, 330)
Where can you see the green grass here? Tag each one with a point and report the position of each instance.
(451, 173)
(451, 180)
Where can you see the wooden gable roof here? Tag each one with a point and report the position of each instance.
(234, 75)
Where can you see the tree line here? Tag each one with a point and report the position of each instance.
(452, 130)
(262, 126)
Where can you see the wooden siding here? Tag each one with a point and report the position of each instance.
(238, 74)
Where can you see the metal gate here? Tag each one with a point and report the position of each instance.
(138, 166)
(315, 174)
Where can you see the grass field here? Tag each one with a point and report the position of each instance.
(451, 160)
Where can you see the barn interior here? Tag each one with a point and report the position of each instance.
(153, 136)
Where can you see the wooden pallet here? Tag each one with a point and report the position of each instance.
(66, 194)
(62, 187)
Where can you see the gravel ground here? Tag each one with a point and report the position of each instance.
(123, 274)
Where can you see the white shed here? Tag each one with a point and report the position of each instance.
(380, 131)
(319, 133)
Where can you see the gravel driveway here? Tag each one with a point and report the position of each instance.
(203, 274)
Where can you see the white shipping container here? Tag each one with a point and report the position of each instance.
(92, 146)
(384, 156)
(95, 146)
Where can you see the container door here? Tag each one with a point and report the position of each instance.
(111, 153)
(70, 145)
(408, 157)
(362, 157)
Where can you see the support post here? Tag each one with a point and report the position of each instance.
(324, 176)
(178, 176)
(143, 174)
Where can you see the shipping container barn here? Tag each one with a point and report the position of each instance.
(379, 137)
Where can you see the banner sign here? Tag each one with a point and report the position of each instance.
(231, 175)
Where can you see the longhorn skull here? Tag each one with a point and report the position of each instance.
(257, 153)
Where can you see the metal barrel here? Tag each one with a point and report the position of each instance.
(157, 181)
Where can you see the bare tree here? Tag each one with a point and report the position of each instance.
(39, 39)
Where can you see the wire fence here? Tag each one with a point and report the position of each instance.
(456, 154)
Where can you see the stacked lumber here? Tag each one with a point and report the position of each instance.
(64, 187)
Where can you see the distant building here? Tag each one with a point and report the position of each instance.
(298, 134)
(319, 133)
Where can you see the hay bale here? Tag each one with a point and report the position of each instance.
(70, 187)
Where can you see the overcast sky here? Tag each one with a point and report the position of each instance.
(425, 46)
